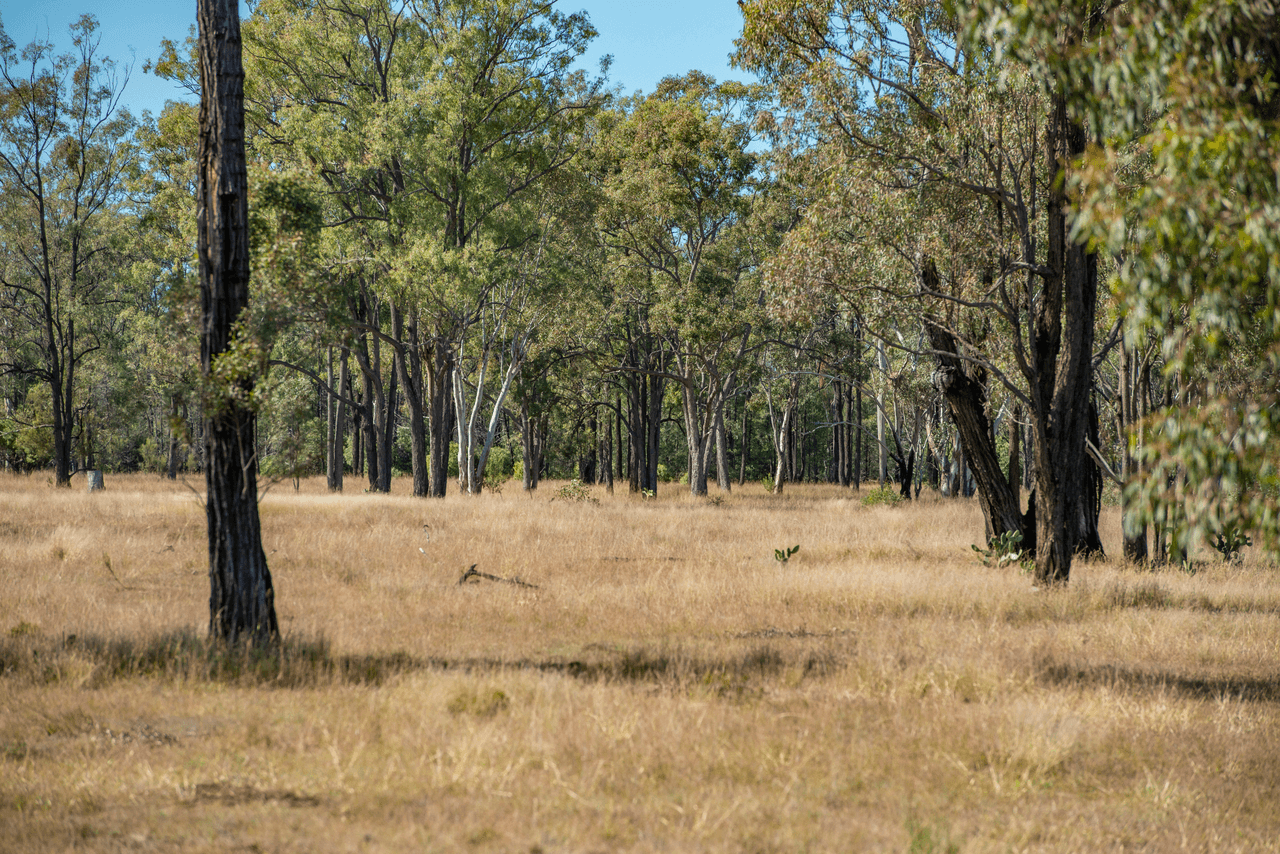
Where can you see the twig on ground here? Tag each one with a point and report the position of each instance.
(475, 573)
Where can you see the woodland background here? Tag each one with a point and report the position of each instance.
(1013, 248)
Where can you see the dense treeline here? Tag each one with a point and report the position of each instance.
(1023, 252)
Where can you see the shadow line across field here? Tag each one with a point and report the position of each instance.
(296, 662)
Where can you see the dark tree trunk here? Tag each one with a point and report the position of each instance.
(242, 599)
(409, 368)
(1134, 376)
(369, 358)
(746, 443)
(1062, 353)
(174, 445)
(966, 398)
(386, 436)
(338, 429)
(587, 462)
(635, 431)
(439, 375)
(657, 386)
(1015, 459)
(723, 480)
(532, 435)
(857, 438)
(605, 453)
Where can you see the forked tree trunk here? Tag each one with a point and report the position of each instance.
(1063, 361)
(242, 600)
(966, 398)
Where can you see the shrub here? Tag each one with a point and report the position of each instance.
(885, 495)
(574, 490)
(1229, 542)
(1004, 549)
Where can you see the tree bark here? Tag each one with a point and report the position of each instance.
(439, 374)
(408, 358)
(966, 398)
(242, 599)
(723, 480)
(1133, 372)
(338, 435)
(1062, 352)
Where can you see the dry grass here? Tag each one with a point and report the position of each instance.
(668, 685)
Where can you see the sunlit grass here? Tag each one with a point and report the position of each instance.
(667, 684)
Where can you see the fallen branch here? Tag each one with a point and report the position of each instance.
(474, 573)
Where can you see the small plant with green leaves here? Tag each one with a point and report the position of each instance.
(883, 495)
(1003, 550)
(493, 482)
(767, 483)
(648, 494)
(1230, 542)
(576, 491)
(784, 555)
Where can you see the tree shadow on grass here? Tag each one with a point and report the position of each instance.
(298, 662)
(1135, 679)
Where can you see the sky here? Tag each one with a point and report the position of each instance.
(649, 39)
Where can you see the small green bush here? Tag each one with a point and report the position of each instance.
(574, 490)
(885, 495)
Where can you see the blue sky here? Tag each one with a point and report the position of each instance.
(649, 39)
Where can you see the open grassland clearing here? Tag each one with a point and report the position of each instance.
(667, 685)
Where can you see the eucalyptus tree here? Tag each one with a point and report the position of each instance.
(66, 154)
(525, 313)
(677, 191)
(163, 314)
(946, 185)
(426, 122)
(242, 597)
(1190, 91)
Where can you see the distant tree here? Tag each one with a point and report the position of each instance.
(242, 600)
(66, 152)
(430, 125)
(947, 193)
(677, 180)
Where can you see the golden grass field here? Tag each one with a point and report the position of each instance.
(667, 686)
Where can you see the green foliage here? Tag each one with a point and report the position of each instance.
(575, 491)
(1003, 550)
(784, 555)
(494, 483)
(28, 433)
(1183, 190)
(501, 464)
(882, 495)
(1230, 542)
